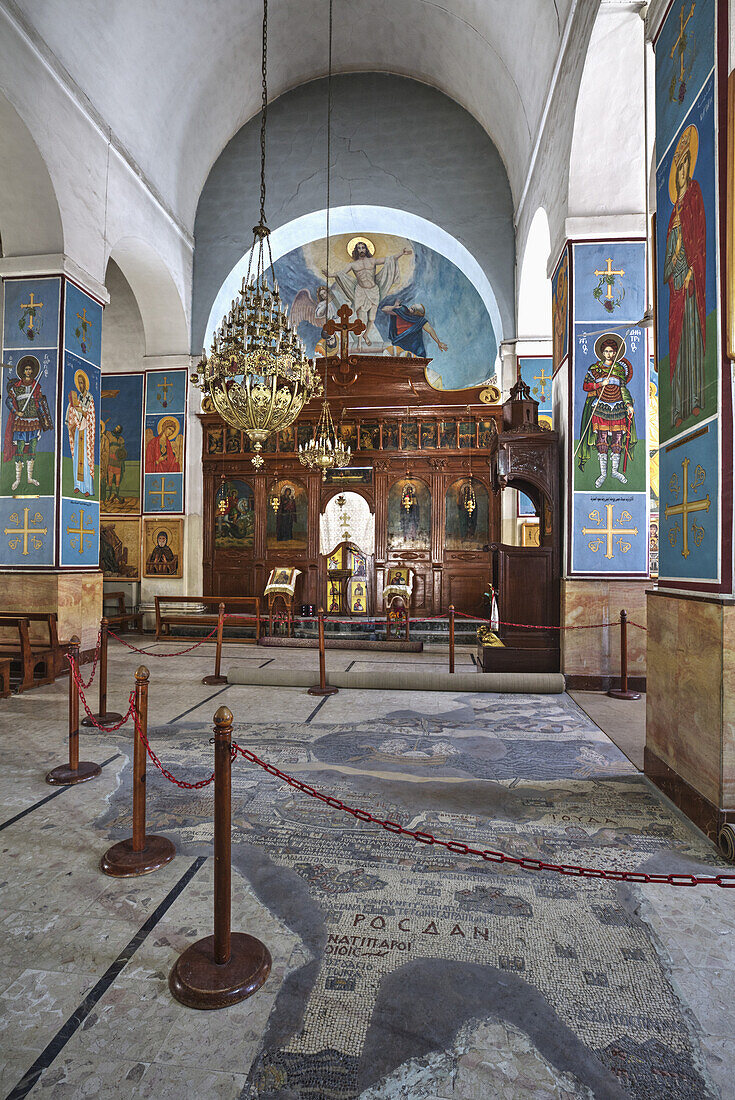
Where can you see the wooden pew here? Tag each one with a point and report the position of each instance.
(121, 617)
(30, 653)
(206, 619)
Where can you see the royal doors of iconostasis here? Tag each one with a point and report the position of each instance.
(347, 544)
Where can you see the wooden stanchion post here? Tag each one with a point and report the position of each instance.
(218, 678)
(451, 637)
(140, 854)
(322, 689)
(227, 967)
(75, 771)
(104, 716)
(622, 692)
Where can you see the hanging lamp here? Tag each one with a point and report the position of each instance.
(257, 376)
(469, 500)
(325, 449)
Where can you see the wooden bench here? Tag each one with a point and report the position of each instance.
(5, 690)
(207, 620)
(120, 616)
(17, 645)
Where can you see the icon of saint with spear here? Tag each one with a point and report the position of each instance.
(608, 421)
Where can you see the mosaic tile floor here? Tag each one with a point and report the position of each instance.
(399, 970)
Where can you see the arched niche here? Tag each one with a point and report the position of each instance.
(409, 515)
(466, 528)
(347, 517)
(162, 312)
(30, 221)
(534, 288)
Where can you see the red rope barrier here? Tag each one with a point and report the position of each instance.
(88, 683)
(92, 719)
(171, 778)
(179, 653)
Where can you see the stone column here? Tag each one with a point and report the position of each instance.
(50, 427)
(690, 738)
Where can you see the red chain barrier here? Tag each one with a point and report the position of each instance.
(92, 719)
(171, 778)
(535, 626)
(488, 854)
(88, 683)
(179, 653)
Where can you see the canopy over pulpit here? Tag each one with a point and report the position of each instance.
(525, 456)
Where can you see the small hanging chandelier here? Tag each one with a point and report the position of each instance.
(325, 449)
(469, 500)
(408, 496)
(258, 376)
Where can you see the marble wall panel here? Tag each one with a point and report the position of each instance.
(75, 597)
(596, 652)
(684, 698)
(728, 708)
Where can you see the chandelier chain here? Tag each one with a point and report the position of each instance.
(264, 110)
(329, 143)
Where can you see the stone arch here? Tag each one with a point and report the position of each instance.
(158, 298)
(534, 286)
(450, 175)
(30, 221)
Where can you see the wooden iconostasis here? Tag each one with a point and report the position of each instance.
(414, 472)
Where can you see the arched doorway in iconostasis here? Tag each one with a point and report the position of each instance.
(347, 546)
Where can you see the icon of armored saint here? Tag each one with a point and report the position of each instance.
(29, 418)
(608, 420)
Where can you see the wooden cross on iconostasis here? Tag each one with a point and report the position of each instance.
(342, 366)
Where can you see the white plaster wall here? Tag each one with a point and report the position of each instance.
(534, 285)
(608, 169)
(123, 339)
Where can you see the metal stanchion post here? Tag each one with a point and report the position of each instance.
(622, 692)
(451, 637)
(75, 771)
(217, 678)
(322, 689)
(103, 717)
(227, 967)
(140, 854)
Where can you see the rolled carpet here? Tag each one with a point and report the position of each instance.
(397, 679)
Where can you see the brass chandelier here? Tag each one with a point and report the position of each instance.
(257, 376)
(325, 449)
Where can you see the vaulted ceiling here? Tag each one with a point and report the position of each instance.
(175, 79)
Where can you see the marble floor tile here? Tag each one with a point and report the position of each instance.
(36, 1004)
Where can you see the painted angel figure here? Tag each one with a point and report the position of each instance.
(315, 312)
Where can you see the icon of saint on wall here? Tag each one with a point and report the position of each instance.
(608, 420)
(685, 267)
(28, 418)
(162, 452)
(81, 423)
